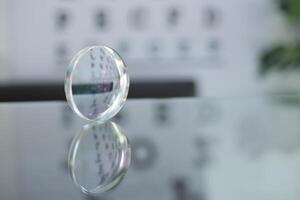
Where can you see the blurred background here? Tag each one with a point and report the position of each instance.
(230, 146)
(222, 47)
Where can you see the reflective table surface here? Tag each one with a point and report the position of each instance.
(182, 149)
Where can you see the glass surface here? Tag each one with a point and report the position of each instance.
(96, 83)
(182, 149)
(99, 157)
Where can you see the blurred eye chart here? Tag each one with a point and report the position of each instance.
(208, 42)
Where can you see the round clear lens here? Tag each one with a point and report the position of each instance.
(96, 83)
(99, 157)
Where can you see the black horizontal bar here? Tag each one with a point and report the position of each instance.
(17, 92)
(93, 88)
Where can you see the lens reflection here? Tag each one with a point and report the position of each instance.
(99, 157)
